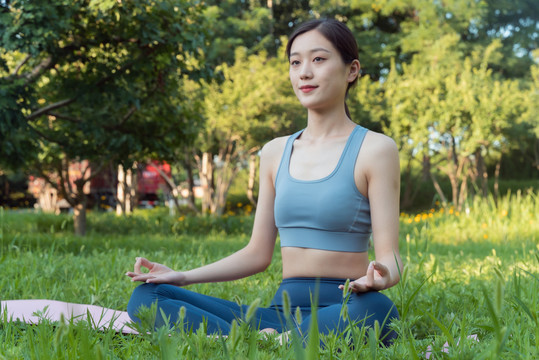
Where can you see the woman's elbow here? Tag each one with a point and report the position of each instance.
(259, 260)
(263, 263)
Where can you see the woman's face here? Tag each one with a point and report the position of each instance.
(317, 72)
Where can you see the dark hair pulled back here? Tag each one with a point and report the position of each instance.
(338, 34)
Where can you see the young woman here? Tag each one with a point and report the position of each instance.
(323, 189)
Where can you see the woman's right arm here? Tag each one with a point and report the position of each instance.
(253, 258)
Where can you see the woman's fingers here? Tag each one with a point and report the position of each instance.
(370, 275)
(142, 262)
(139, 277)
(356, 286)
(136, 268)
(380, 268)
(374, 279)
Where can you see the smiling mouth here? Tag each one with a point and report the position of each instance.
(307, 88)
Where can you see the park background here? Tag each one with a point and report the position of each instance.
(105, 88)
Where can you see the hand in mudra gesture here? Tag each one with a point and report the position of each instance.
(158, 273)
(377, 278)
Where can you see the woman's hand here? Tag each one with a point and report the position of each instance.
(158, 273)
(378, 277)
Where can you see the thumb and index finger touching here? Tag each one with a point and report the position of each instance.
(142, 262)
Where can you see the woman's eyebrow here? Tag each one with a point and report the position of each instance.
(312, 51)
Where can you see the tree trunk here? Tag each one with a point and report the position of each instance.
(127, 190)
(48, 198)
(453, 168)
(438, 189)
(252, 177)
(206, 181)
(190, 183)
(482, 172)
(79, 218)
(133, 187)
(497, 180)
(463, 193)
(172, 187)
(120, 192)
(225, 175)
(216, 179)
(454, 187)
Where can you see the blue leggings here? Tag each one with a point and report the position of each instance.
(363, 308)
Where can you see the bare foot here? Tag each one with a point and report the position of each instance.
(268, 331)
(283, 338)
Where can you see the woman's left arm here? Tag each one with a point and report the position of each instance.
(383, 185)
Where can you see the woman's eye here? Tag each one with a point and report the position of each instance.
(294, 62)
(318, 58)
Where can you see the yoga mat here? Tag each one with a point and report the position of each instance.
(32, 311)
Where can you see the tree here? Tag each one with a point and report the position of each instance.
(451, 112)
(254, 104)
(93, 80)
(234, 23)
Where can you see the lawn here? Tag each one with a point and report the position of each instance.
(468, 272)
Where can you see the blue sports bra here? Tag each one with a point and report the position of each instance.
(328, 213)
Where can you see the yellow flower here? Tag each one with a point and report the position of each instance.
(410, 220)
(417, 218)
(181, 218)
(484, 225)
(239, 204)
(504, 212)
(485, 236)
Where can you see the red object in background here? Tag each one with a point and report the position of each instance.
(103, 187)
(150, 181)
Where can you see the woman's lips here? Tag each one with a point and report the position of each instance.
(307, 88)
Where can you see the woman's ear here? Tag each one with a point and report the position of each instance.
(354, 73)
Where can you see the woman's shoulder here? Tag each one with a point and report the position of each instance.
(379, 144)
(271, 155)
(274, 148)
(379, 153)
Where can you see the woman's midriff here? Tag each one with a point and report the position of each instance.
(303, 262)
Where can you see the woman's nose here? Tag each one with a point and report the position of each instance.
(305, 71)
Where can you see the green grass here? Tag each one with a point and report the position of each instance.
(468, 272)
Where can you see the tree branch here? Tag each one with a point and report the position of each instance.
(43, 175)
(65, 176)
(62, 186)
(98, 170)
(131, 111)
(65, 117)
(20, 65)
(32, 75)
(50, 107)
(46, 137)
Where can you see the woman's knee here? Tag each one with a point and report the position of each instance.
(372, 305)
(143, 295)
(369, 308)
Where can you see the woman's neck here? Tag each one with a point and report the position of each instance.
(323, 124)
